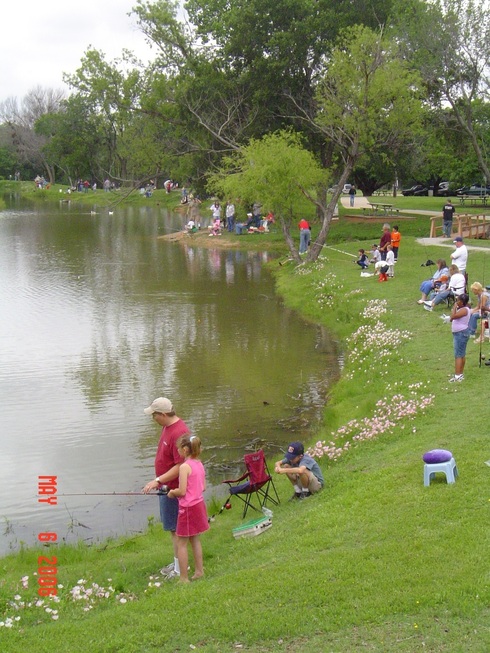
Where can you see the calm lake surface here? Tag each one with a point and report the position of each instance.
(97, 318)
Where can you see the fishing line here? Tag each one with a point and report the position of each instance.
(341, 251)
(482, 319)
(113, 494)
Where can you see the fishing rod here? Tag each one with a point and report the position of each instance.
(482, 316)
(163, 491)
(341, 251)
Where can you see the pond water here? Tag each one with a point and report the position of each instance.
(98, 316)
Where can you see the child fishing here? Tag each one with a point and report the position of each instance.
(192, 519)
(362, 259)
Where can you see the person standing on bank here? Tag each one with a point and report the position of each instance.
(304, 235)
(460, 258)
(230, 216)
(448, 211)
(459, 318)
(193, 518)
(167, 466)
(384, 241)
(352, 194)
(395, 241)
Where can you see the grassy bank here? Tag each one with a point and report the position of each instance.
(376, 562)
(97, 199)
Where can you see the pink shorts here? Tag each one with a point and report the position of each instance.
(192, 520)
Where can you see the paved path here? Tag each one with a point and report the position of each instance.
(447, 242)
(361, 202)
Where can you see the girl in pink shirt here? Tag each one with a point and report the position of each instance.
(193, 518)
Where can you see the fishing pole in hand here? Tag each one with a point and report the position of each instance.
(482, 317)
(161, 491)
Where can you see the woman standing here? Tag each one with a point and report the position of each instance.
(459, 318)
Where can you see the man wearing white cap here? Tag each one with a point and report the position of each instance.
(167, 465)
(460, 258)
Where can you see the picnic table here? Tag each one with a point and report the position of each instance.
(474, 199)
(385, 209)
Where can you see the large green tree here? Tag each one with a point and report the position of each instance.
(279, 173)
(448, 42)
(368, 103)
(20, 119)
(244, 69)
(111, 92)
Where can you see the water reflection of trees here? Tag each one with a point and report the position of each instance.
(201, 325)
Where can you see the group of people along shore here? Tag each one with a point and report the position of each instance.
(468, 319)
(181, 481)
(383, 255)
(222, 220)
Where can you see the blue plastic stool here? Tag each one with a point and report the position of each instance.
(449, 468)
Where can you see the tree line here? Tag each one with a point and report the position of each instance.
(272, 102)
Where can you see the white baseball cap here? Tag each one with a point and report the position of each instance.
(160, 405)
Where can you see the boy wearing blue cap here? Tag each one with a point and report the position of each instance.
(302, 470)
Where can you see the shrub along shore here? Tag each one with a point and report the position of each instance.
(376, 562)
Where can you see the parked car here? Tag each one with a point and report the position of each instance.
(475, 189)
(445, 189)
(417, 190)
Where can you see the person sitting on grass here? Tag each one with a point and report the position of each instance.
(302, 470)
(457, 284)
(481, 310)
(215, 227)
(438, 279)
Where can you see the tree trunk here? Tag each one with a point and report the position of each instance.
(328, 212)
(467, 126)
(289, 240)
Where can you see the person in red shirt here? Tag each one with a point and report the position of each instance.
(167, 465)
(384, 241)
(304, 235)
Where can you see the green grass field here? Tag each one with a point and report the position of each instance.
(376, 562)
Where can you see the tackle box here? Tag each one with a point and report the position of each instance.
(252, 528)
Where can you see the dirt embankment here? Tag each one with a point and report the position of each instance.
(201, 239)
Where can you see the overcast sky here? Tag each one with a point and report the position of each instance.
(42, 40)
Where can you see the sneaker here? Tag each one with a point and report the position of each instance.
(456, 378)
(305, 494)
(168, 569)
(427, 308)
(296, 495)
(427, 302)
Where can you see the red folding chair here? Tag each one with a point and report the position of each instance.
(259, 483)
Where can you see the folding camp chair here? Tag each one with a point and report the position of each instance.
(259, 483)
